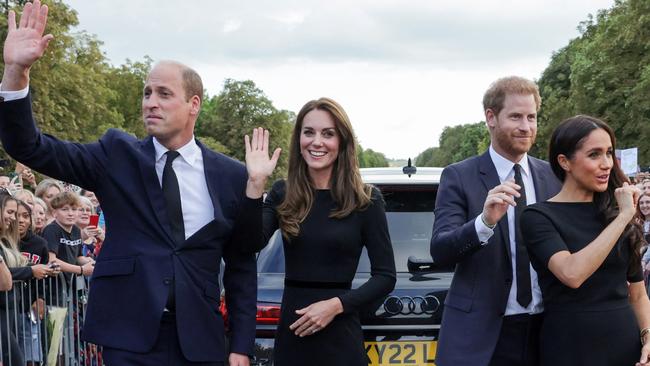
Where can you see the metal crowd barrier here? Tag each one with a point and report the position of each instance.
(41, 321)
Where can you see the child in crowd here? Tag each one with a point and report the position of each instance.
(64, 238)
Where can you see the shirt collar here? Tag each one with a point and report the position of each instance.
(190, 152)
(504, 166)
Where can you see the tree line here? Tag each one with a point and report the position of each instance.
(77, 95)
(604, 72)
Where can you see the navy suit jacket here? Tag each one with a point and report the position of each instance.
(477, 298)
(139, 258)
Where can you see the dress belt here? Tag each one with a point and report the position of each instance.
(317, 284)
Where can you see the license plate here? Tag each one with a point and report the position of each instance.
(412, 353)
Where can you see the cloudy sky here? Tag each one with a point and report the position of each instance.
(402, 69)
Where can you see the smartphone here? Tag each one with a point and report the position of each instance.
(94, 220)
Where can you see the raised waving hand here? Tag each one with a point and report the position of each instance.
(24, 45)
(258, 163)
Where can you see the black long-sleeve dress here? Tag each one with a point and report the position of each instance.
(593, 324)
(320, 264)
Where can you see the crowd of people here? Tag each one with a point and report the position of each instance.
(45, 231)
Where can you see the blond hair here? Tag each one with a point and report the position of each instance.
(9, 237)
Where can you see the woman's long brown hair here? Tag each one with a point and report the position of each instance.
(346, 187)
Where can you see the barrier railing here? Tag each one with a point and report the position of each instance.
(41, 321)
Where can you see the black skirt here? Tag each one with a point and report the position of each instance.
(339, 343)
(590, 338)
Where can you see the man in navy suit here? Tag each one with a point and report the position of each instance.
(174, 209)
(493, 307)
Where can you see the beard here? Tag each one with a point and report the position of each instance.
(511, 144)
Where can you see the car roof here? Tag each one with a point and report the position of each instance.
(395, 175)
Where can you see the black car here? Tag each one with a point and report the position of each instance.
(401, 329)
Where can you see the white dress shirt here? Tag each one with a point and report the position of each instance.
(196, 203)
(14, 95)
(505, 170)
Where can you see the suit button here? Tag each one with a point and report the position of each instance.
(167, 281)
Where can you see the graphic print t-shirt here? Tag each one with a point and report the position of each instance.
(34, 248)
(66, 245)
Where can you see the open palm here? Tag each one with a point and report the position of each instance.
(25, 43)
(258, 163)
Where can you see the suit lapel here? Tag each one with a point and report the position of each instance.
(541, 188)
(152, 186)
(490, 179)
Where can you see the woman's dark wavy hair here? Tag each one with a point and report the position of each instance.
(346, 187)
(568, 137)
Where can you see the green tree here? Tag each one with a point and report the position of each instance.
(369, 158)
(240, 107)
(455, 144)
(77, 95)
(604, 73)
(69, 83)
(128, 82)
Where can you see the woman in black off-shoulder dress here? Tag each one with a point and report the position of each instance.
(585, 244)
(327, 215)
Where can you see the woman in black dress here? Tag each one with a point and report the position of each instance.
(326, 215)
(585, 245)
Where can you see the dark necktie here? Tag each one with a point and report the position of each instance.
(173, 198)
(524, 294)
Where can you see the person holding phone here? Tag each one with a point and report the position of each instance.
(92, 235)
(26, 175)
(14, 215)
(34, 249)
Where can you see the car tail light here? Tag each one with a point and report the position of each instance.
(268, 313)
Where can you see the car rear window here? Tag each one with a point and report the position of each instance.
(409, 213)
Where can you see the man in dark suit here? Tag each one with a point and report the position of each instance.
(493, 307)
(174, 209)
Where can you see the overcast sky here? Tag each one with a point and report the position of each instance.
(402, 69)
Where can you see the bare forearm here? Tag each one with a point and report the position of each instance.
(67, 267)
(574, 269)
(640, 304)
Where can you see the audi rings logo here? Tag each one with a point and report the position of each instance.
(416, 305)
